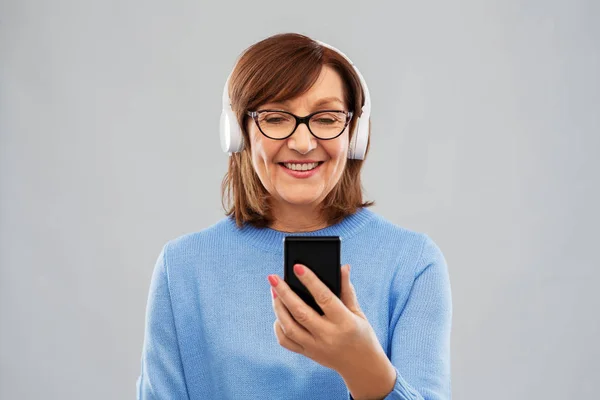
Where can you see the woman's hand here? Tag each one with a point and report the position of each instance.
(342, 339)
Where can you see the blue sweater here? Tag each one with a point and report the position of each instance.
(209, 320)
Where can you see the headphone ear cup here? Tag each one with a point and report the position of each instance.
(358, 144)
(362, 138)
(352, 144)
(232, 140)
(224, 131)
(237, 139)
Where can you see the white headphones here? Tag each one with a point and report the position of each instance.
(232, 140)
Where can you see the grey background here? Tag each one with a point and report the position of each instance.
(485, 136)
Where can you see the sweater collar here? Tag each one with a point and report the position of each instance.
(272, 240)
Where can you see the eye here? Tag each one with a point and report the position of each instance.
(329, 118)
(274, 118)
(325, 120)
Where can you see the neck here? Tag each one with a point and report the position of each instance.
(270, 239)
(294, 218)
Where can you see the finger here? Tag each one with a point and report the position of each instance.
(302, 312)
(331, 305)
(292, 329)
(285, 341)
(348, 295)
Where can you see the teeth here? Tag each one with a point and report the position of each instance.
(301, 167)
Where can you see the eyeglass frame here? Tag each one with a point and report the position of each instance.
(300, 120)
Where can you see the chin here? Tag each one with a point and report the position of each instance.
(300, 199)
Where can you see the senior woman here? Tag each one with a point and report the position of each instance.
(221, 323)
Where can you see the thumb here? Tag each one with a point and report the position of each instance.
(348, 294)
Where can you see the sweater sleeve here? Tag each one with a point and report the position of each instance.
(161, 375)
(420, 331)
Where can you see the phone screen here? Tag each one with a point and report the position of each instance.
(319, 253)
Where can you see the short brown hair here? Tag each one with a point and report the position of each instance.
(279, 68)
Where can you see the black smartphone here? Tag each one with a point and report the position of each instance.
(319, 253)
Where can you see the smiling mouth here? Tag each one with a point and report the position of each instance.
(301, 166)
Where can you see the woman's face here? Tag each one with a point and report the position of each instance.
(269, 156)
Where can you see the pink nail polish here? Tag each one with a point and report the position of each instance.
(299, 269)
(273, 293)
(273, 280)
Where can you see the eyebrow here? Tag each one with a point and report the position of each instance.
(320, 102)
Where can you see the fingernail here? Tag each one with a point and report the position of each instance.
(273, 280)
(299, 269)
(273, 293)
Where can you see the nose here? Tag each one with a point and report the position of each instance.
(302, 140)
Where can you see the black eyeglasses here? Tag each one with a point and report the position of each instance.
(279, 124)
